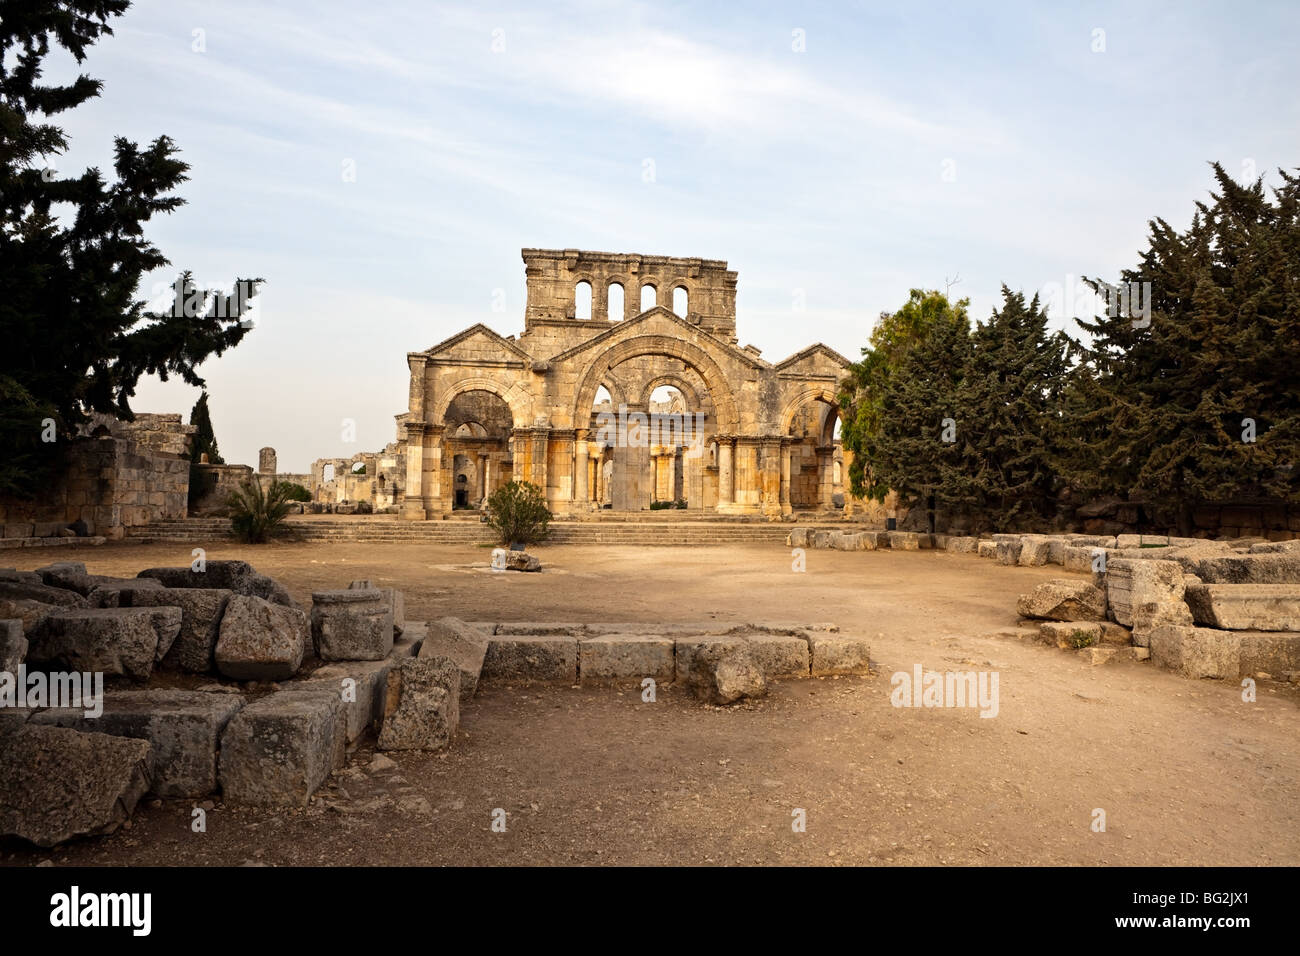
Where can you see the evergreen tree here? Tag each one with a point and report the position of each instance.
(1197, 398)
(871, 384)
(76, 337)
(915, 451)
(205, 439)
(1009, 418)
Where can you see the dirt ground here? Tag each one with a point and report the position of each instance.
(1186, 772)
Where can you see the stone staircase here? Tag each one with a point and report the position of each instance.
(384, 528)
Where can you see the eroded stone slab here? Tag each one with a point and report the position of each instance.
(1246, 607)
(354, 624)
(278, 751)
(201, 611)
(259, 640)
(539, 657)
(463, 644)
(1064, 600)
(838, 654)
(60, 783)
(183, 729)
(612, 657)
(116, 641)
(422, 708)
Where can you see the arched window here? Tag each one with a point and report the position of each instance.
(327, 473)
(582, 300)
(648, 296)
(681, 301)
(615, 301)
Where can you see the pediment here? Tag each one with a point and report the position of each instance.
(478, 343)
(815, 361)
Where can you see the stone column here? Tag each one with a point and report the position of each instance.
(826, 477)
(487, 476)
(786, 507)
(435, 483)
(413, 504)
(769, 476)
(726, 475)
(482, 476)
(581, 491)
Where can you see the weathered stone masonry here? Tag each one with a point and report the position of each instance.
(485, 409)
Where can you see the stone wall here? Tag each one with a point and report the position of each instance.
(213, 485)
(120, 475)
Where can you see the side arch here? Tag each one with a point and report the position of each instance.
(515, 395)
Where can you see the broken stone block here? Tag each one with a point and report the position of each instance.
(277, 751)
(259, 640)
(422, 709)
(797, 538)
(903, 541)
(987, 549)
(237, 576)
(117, 593)
(1239, 569)
(59, 784)
(463, 644)
(183, 729)
(821, 539)
(723, 672)
(779, 655)
(361, 686)
(611, 657)
(1196, 651)
(539, 657)
(1072, 635)
(522, 561)
(201, 613)
(13, 645)
(962, 545)
(1131, 583)
(1008, 548)
(111, 640)
(838, 654)
(352, 625)
(25, 590)
(1064, 600)
(31, 613)
(539, 628)
(1098, 655)
(1246, 607)
(1034, 552)
(1270, 652)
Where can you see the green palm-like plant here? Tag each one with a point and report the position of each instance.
(256, 512)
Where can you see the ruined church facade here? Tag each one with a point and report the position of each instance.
(627, 390)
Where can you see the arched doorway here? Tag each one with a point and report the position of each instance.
(477, 456)
(815, 454)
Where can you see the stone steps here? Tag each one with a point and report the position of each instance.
(655, 532)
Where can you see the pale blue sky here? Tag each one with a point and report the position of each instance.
(907, 144)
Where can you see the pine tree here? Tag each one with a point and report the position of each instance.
(1009, 418)
(205, 439)
(1198, 399)
(77, 338)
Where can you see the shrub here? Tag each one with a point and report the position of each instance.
(256, 512)
(517, 512)
(295, 492)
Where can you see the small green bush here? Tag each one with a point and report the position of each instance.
(295, 492)
(256, 512)
(517, 512)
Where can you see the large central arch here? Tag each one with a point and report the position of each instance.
(715, 379)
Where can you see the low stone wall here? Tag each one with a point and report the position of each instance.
(213, 485)
(107, 484)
